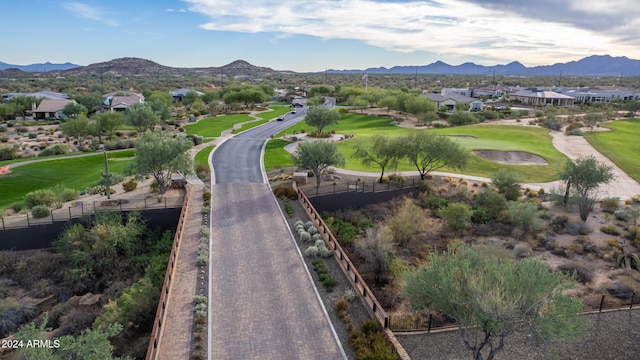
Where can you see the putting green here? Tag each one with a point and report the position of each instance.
(620, 145)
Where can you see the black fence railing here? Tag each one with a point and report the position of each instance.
(363, 186)
(84, 208)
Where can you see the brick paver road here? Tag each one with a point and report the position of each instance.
(263, 305)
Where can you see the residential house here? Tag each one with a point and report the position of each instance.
(51, 109)
(542, 98)
(44, 94)
(450, 99)
(493, 91)
(602, 94)
(180, 94)
(460, 91)
(121, 101)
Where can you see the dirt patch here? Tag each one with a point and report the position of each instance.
(511, 157)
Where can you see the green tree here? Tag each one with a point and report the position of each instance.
(388, 102)
(161, 109)
(583, 177)
(162, 96)
(142, 117)
(491, 298)
(381, 150)
(162, 155)
(91, 344)
(507, 182)
(76, 127)
(459, 118)
(92, 102)
(429, 152)
(317, 156)
(592, 118)
(321, 117)
(189, 98)
(427, 118)
(108, 122)
(74, 109)
(319, 90)
(419, 104)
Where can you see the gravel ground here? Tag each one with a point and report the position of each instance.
(357, 310)
(612, 335)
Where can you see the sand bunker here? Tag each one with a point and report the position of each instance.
(511, 157)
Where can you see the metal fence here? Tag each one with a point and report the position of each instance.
(368, 186)
(84, 208)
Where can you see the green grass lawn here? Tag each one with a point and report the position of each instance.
(76, 173)
(202, 157)
(127, 153)
(620, 145)
(213, 126)
(485, 137)
(265, 116)
(275, 155)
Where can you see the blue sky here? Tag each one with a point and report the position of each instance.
(307, 35)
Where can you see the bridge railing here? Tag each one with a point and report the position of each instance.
(84, 208)
(156, 332)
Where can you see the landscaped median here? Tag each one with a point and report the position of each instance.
(527, 139)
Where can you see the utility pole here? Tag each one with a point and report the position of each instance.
(106, 176)
(415, 80)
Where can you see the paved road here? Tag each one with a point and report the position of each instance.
(262, 301)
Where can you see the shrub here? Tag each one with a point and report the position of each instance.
(308, 225)
(18, 206)
(311, 251)
(40, 211)
(115, 178)
(67, 194)
(316, 237)
(324, 251)
(205, 210)
(610, 204)
(521, 250)
(206, 198)
(4, 138)
(457, 216)
(205, 232)
(202, 259)
(8, 153)
(32, 135)
(298, 223)
(3, 128)
(285, 192)
(626, 214)
(575, 132)
(396, 179)
(610, 229)
(199, 299)
(525, 217)
(130, 185)
(40, 197)
(508, 183)
(57, 149)
(304, 236)
(312, 230)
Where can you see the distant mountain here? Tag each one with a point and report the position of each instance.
(596, 65)
(141, 67)
(46, 67)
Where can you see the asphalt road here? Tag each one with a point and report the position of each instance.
(239, 159)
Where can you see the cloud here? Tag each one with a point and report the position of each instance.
(181, 10)
(89, 12)
(491, 30)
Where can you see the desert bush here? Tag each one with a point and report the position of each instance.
(40, 211)
(408, 221)
(115, 178)
(583, 273)
(324, 251)
(17, 206)
(521, 250)
(610, 204)
(457, 216)
(40, 197)
(205, 210)
(3, 128)
(199, 299)
(629, 214)
(508, 183)
(311, 251)
(202, 260)
(8, 153)
(489, 206)
(298, 223)
(304, 236)
(316, 237)
(525, 217)
(610, 229)
(285, 192)
(312, 230)
(396, 179)
(57, 149)
(13, 313)
(130, 185)
(205, 231)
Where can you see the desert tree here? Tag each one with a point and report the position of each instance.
(77, 127)
(408, 221)
(418, 104)
(491, 298)
(317, 156)
(107, 122)
(381, 150)
(376, 246)
(161, 155)
(74, 109)
(142, 117)
(429, 152)
(321, 117)
(92, 102)
(582, 178)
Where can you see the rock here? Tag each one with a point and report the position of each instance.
(89, 299)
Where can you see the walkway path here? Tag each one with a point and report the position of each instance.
(176, 333)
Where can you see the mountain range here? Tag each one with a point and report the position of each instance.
(596, 65)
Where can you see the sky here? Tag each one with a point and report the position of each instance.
(310, 36)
